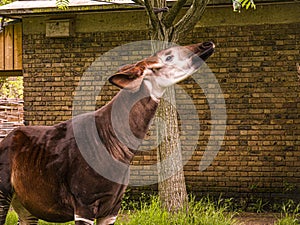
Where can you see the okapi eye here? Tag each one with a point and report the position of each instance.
(169, 58)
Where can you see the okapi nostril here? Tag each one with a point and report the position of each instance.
(207, 44)
(206, 49)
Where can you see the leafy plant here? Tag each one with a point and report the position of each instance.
(238, 4)
(288, 187)
(62, 4)
(11, 87)
(258, 206)
(290, 207)
(288, 220)
(4, 2)
(290, 212)
(248, 3)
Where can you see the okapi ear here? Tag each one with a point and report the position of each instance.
(128, 77)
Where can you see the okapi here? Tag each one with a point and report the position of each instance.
(43, 174)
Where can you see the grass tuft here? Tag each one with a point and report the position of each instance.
(288, 220)
(290, 214)
(200, 212)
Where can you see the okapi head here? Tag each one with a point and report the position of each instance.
(163, 69)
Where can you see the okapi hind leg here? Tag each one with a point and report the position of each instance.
(83, 221)
(25, 217)
(6, 190)
(5, 200)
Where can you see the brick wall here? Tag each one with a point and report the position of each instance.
(255, 66)
(256, 69)
(53, 68)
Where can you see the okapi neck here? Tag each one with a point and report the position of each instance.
(124, 122)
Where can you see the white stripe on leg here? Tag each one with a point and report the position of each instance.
(79, 218)
(106, 220)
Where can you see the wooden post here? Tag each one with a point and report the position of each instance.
(9, 43)
(2, 51)
(17, 51)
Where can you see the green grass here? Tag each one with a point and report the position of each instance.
(203, 212)
(290, 214)
(151, 213)
(12, 219)
(288, 220)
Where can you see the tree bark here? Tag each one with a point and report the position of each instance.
(171, 181)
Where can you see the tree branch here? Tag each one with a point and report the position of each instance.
(153, 18)
(159, 10)
(192, 16)
(169, 17)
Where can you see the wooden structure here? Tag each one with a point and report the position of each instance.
(11, 50)
(11, 115)
(11, 110)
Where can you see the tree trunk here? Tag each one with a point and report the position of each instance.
(171, 181)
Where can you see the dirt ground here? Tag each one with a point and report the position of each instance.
(257, 218)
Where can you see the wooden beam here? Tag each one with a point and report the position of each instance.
(11, 73)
